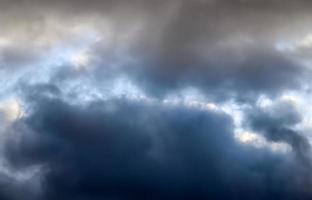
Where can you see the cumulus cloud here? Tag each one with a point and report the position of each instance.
(122, 149)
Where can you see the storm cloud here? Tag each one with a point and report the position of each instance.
(178, 99)
(213, 45)
(118, 149)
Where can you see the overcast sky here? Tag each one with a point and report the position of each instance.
(155, 99)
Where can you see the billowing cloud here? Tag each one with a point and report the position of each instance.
(123, 149)
(276, 123)
(213, 45)
(112, 99)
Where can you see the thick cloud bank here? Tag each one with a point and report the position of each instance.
(168, 99)
(118, 149)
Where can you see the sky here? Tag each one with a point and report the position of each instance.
(155, 99)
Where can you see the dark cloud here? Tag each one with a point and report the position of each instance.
(277, 124)
(223, 47)
(136, 149)
(243, 75)
(13, 189)
(118, 149)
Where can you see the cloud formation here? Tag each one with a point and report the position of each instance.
(214, 45)
(112, 99)
(118, 149)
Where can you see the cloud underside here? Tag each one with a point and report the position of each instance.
(128, 150)
(147, 100)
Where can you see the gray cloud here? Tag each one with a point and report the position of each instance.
(215, 45)
(127, 150)
(116, 148)
(277, 124)
(221, 47)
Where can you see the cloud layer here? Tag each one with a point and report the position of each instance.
(128, 150)
(178, 99)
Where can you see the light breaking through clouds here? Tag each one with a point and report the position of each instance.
(178, 99)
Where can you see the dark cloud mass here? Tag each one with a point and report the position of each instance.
(276, 125)
(125, 150)
(167, 99)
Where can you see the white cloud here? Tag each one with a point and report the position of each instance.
(11, 109)
(80, 60)
(258, 141)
